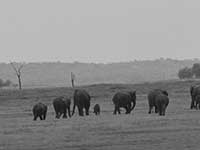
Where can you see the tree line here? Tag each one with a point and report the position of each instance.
(189, 73)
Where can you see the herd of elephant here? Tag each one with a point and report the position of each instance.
(157, 99)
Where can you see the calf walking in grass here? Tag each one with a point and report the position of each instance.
(97, 109)
(39, 110)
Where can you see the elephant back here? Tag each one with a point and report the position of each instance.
(121, 98)
(59, 104)
(39, 108)
(161, 98)
(153, 94)
(195, 90)
(81, 97)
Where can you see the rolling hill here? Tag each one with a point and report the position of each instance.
(56, 74)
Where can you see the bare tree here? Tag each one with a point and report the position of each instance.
(72, 79)
(18, 73)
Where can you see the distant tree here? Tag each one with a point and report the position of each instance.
(18, 73)
(196, 70)
(5, 83)
(185, 73)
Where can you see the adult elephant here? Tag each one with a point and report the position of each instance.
(82, 101)
(152, 96)
(61, 106)
(39, 110)
(194, 91)
(124, 100)
(161, 102)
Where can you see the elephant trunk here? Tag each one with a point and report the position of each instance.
(73, 111)
(133, 99)
(133, 106)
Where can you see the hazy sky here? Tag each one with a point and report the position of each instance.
(98, 31)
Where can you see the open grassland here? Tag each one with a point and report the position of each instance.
(179, 129)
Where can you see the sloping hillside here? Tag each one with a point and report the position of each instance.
(58, 74)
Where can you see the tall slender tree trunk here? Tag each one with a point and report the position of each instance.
(72, 79)
(18, 73)
(72, 83)
(20, 83)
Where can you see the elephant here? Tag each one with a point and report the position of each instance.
(151, 98)
(61, 106)
(39, 110)
(97, 109)
(161, 102)
(197, 101)
(194, 91)
(124, 100)
(82, 101)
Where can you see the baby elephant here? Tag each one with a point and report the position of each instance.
(39, 110)
(61, 106)
(97, 109)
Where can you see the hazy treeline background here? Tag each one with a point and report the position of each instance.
(58, 74)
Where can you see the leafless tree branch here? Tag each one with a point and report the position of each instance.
(18, 73)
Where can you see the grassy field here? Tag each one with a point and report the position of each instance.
(179, 129)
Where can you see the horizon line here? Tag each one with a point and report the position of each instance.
(114, 62)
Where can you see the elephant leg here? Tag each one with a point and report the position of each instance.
(115, 110)
(159, 109)
(195, 104)
(87, 112)
(57, 115)
(163, 111)
(156, 109)
(41, 117)
(69, 113)
(44, 116)
(150, 108)
(128, 109)
(65, 114)
(118, 110)
(35, 117)
(192, 104)
(87, 108)
(80, 111)
(73, 111)
(160, 112)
